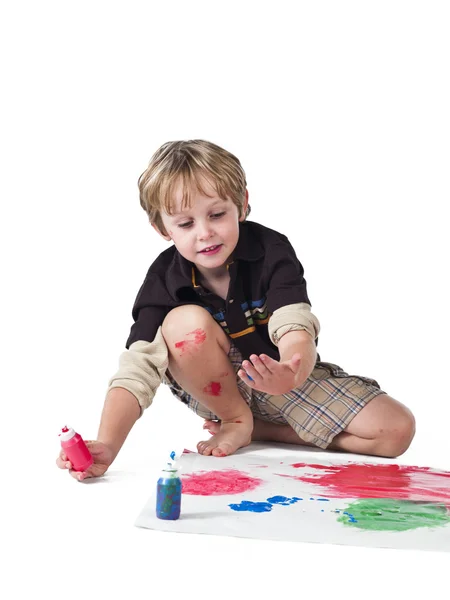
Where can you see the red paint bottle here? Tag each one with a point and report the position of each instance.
(75, 448)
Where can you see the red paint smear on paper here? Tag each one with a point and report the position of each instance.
(219, 483)
(186, 451)
(361, 480)
(213, 389)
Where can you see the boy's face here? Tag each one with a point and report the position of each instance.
(207, 232)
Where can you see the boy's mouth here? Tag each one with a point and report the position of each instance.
(211, 249)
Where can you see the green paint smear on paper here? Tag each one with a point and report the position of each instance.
(384, 514)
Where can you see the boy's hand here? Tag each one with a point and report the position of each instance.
(102, 455)
(271, 376)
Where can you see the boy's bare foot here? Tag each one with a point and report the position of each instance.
(228, 436)
(264, 431)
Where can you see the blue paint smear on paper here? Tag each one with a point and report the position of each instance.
(248, 506)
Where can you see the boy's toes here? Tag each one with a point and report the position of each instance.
(219, 451)
(204, 448)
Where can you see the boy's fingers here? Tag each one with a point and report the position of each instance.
(60, 463)
(79, 475)
(269, 362)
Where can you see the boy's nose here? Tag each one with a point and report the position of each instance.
(204, 232)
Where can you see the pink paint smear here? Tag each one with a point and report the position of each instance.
(363, 480)
(219, 483)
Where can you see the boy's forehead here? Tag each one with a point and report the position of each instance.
(208, 188)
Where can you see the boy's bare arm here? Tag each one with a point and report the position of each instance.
(120, 412)
(299, 342)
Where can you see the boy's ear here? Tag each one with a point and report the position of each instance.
(163, 235)
(244, 207)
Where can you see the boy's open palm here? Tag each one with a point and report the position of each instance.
(102, 455)
(271, 376)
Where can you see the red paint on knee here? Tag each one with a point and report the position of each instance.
(213, 389)
(200, 336)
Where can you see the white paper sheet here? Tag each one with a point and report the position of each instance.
(334, 502)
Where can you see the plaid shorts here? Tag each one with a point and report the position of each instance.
(317, 411)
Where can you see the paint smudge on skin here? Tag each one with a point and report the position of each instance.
(361, 480)
(213, 389)
(248, 506)
(219, 483)
(181, 345)
(384, 514)
(199, 338)
(224, 374)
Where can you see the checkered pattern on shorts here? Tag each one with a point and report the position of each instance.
(317, 411)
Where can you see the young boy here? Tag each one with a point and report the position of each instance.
(223, 318)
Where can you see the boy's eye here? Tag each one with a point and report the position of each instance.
(189, 223)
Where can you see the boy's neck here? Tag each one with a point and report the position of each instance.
(213, 275)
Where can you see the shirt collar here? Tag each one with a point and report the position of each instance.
(248, 246)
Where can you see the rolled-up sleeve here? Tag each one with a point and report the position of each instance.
(293, 317)
(141, 369)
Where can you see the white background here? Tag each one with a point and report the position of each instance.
(339, 114)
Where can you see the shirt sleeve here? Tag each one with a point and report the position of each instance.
(285, 281)
(141, 369)
(293, 317)
(150, 308)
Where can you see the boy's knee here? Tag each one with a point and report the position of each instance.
(191, 323)
(401, 435)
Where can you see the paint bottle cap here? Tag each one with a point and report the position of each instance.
(67, 433)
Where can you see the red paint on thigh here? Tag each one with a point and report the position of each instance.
(213, 389)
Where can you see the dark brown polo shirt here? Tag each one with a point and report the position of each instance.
(265, 274)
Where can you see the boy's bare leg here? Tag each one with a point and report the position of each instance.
(198, 361)
(384, 427)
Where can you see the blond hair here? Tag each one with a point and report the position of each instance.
(187, 161)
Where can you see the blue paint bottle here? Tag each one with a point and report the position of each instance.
(168, 493)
